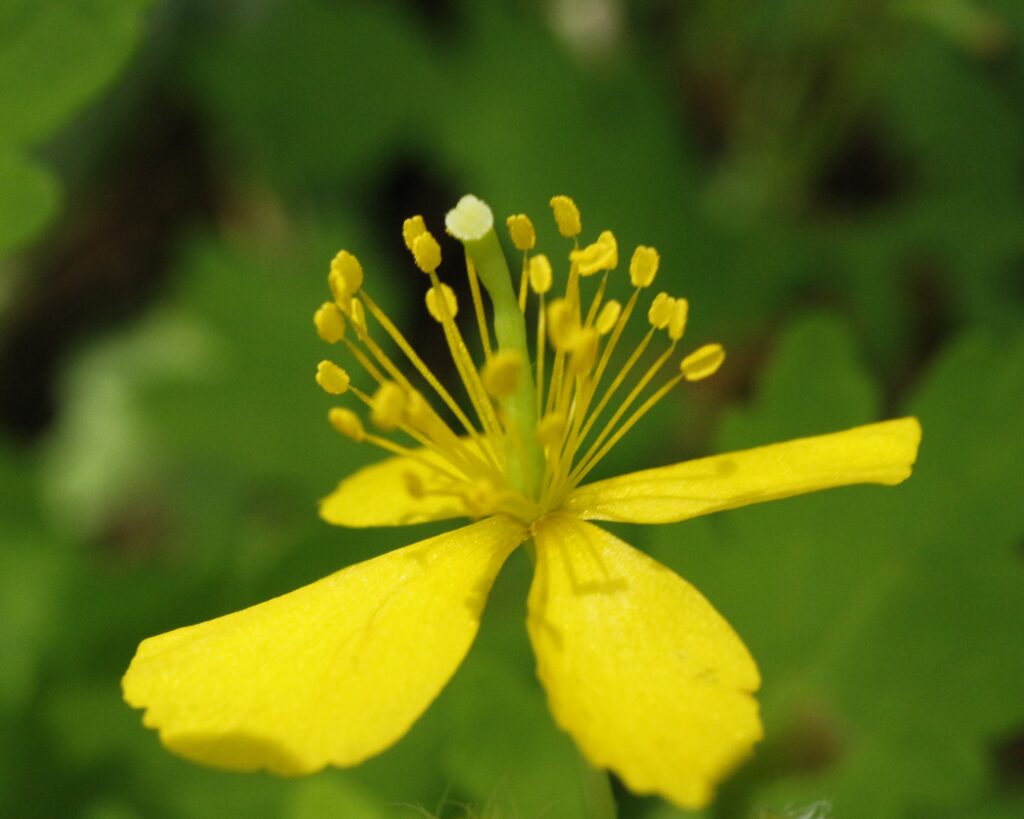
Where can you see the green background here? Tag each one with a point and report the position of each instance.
(837, 187)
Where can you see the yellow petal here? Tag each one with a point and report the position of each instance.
(640, 670)
(877, 453)
(382, 494)
(329, 674)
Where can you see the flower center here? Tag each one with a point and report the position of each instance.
(521, 437)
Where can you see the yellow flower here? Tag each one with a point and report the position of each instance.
(648, 679)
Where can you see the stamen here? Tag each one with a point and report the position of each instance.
(595, 303)
(332, 378)
(463, 468)
(613, 388)
(540, 283)
(329, 322)
(412, 228)
(601, 255)
(467, 371)
(567, 216)
(608, 317)
(562, 324)
(540, 274)
(606, 355)
(550, 429)
(643, 266)
(417, 362)
(585, 466)
(427, 252)
(677, 321)
(427, 428)
(514, 463)
(630, 398)
(347, 423)
(346, 275)
(388, 406)
(703, 362)
(501, 373)
(356, 315)
(660, 312)
(584, 351)
(365, 362)
(450, 303)
(440, 431)
(524, 237)
(520, 228)
(478, 306)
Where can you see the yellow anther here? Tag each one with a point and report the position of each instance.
(702, 362)
(677, 321)
(347, 423)
(601, 255)
(643, 266)
(346, 275)
(330, 324)
(563, 325)
(501, 373)
(427, 252)
(567, 216)
(520, 228)
(584, 350)
(412, 228)
(338, 287)
(540, 273)
(551, 429)
(418, 411)
(387, 406)
(607, 239)
(434, 308)
(332, 378)
(608, 317)
(661, 311)
(357, 314)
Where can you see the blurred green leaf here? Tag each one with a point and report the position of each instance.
(303, 90)
(54, 57)
(328, 796)
(189, 457)
(30, 606)
(962, 133)
(191, 445)
(35, 571)
(507, 754)
(495, 103)
(1007, 805)
(30, 197)
(110, 810)
(251, 402)
(884, 619)
(105, 448)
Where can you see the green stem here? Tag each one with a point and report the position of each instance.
(599, 802)
(525, 466)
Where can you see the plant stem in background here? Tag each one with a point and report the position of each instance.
(597, 792)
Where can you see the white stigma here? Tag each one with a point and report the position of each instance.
(469, 220)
